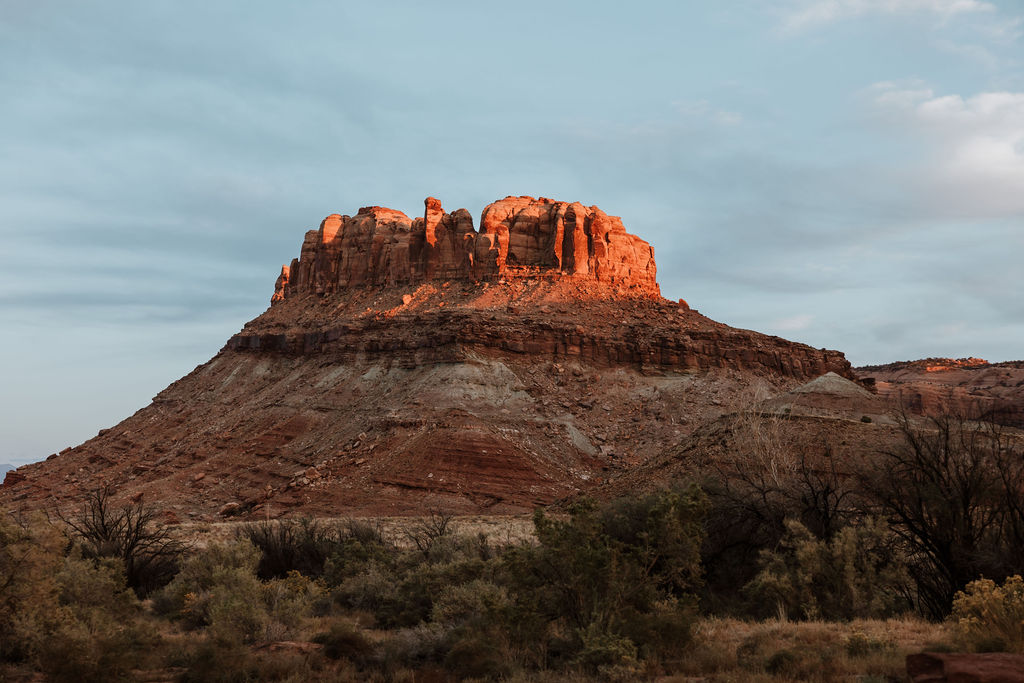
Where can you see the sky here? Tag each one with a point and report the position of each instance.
(844, 173)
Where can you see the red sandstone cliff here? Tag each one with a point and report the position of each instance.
(519, 236)
(414, 364)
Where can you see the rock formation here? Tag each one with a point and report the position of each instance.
(987, 667)
(407, 365)
(967, 386)
(519, 236)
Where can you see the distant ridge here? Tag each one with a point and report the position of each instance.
(972, 386)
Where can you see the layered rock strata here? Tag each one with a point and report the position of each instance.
(409, 365)
(971, 387)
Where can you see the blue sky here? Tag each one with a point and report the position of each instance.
(845, 173)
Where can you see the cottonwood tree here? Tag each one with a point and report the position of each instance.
(951, 490)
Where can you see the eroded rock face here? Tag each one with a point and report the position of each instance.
(518, 237)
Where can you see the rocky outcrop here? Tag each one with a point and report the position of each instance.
(941, 667)
(646, 334)
(518, 237)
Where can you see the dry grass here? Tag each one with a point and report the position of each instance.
(865, 650)
(499, 529)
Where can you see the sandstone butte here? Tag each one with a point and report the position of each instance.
(408, 365)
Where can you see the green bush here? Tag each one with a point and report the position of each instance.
(478, 602)
(476, 656)
(988, 617)
(72, 618)
(344, 640)
(399, 587)
(859, 573)
(624, 571)
(217, 588)
(30, 558)
(289, 601)
(101, 636)
(600, 649)
(414, 647)
(219, 662)
(363, 549)
(859, 644)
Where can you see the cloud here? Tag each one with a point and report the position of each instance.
(973, 163)
(823, 12)
(793, 323)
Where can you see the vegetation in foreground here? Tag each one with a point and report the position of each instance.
(831, 576)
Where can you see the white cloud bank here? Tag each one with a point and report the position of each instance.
(975, 145)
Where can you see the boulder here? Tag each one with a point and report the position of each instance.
(943, 667)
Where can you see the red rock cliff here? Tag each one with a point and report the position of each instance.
(409, 365)
(519, 236)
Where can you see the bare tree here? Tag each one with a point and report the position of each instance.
(951, 490)
(429, 531)
(130, 533)
(773, 469)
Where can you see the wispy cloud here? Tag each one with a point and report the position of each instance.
(704, 111)
(815, 13)
(794, 323)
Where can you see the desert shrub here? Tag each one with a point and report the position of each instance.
(477, 656)
(369, 590)
(217, 663)
(73, 618)
(420, 584)
(858, 573)
(478, 602)
(812, 657)
(860, 644)
(130, 533)
(218, 588)
(362, 548)
(662, 630)
(414, 647)
(399, 587)
(606, 574)
(988, 617)
(289, 602)
(301, 545)
(786, 663)
(344, 640)
(30, 558)
(600, 649)
(100, 636)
